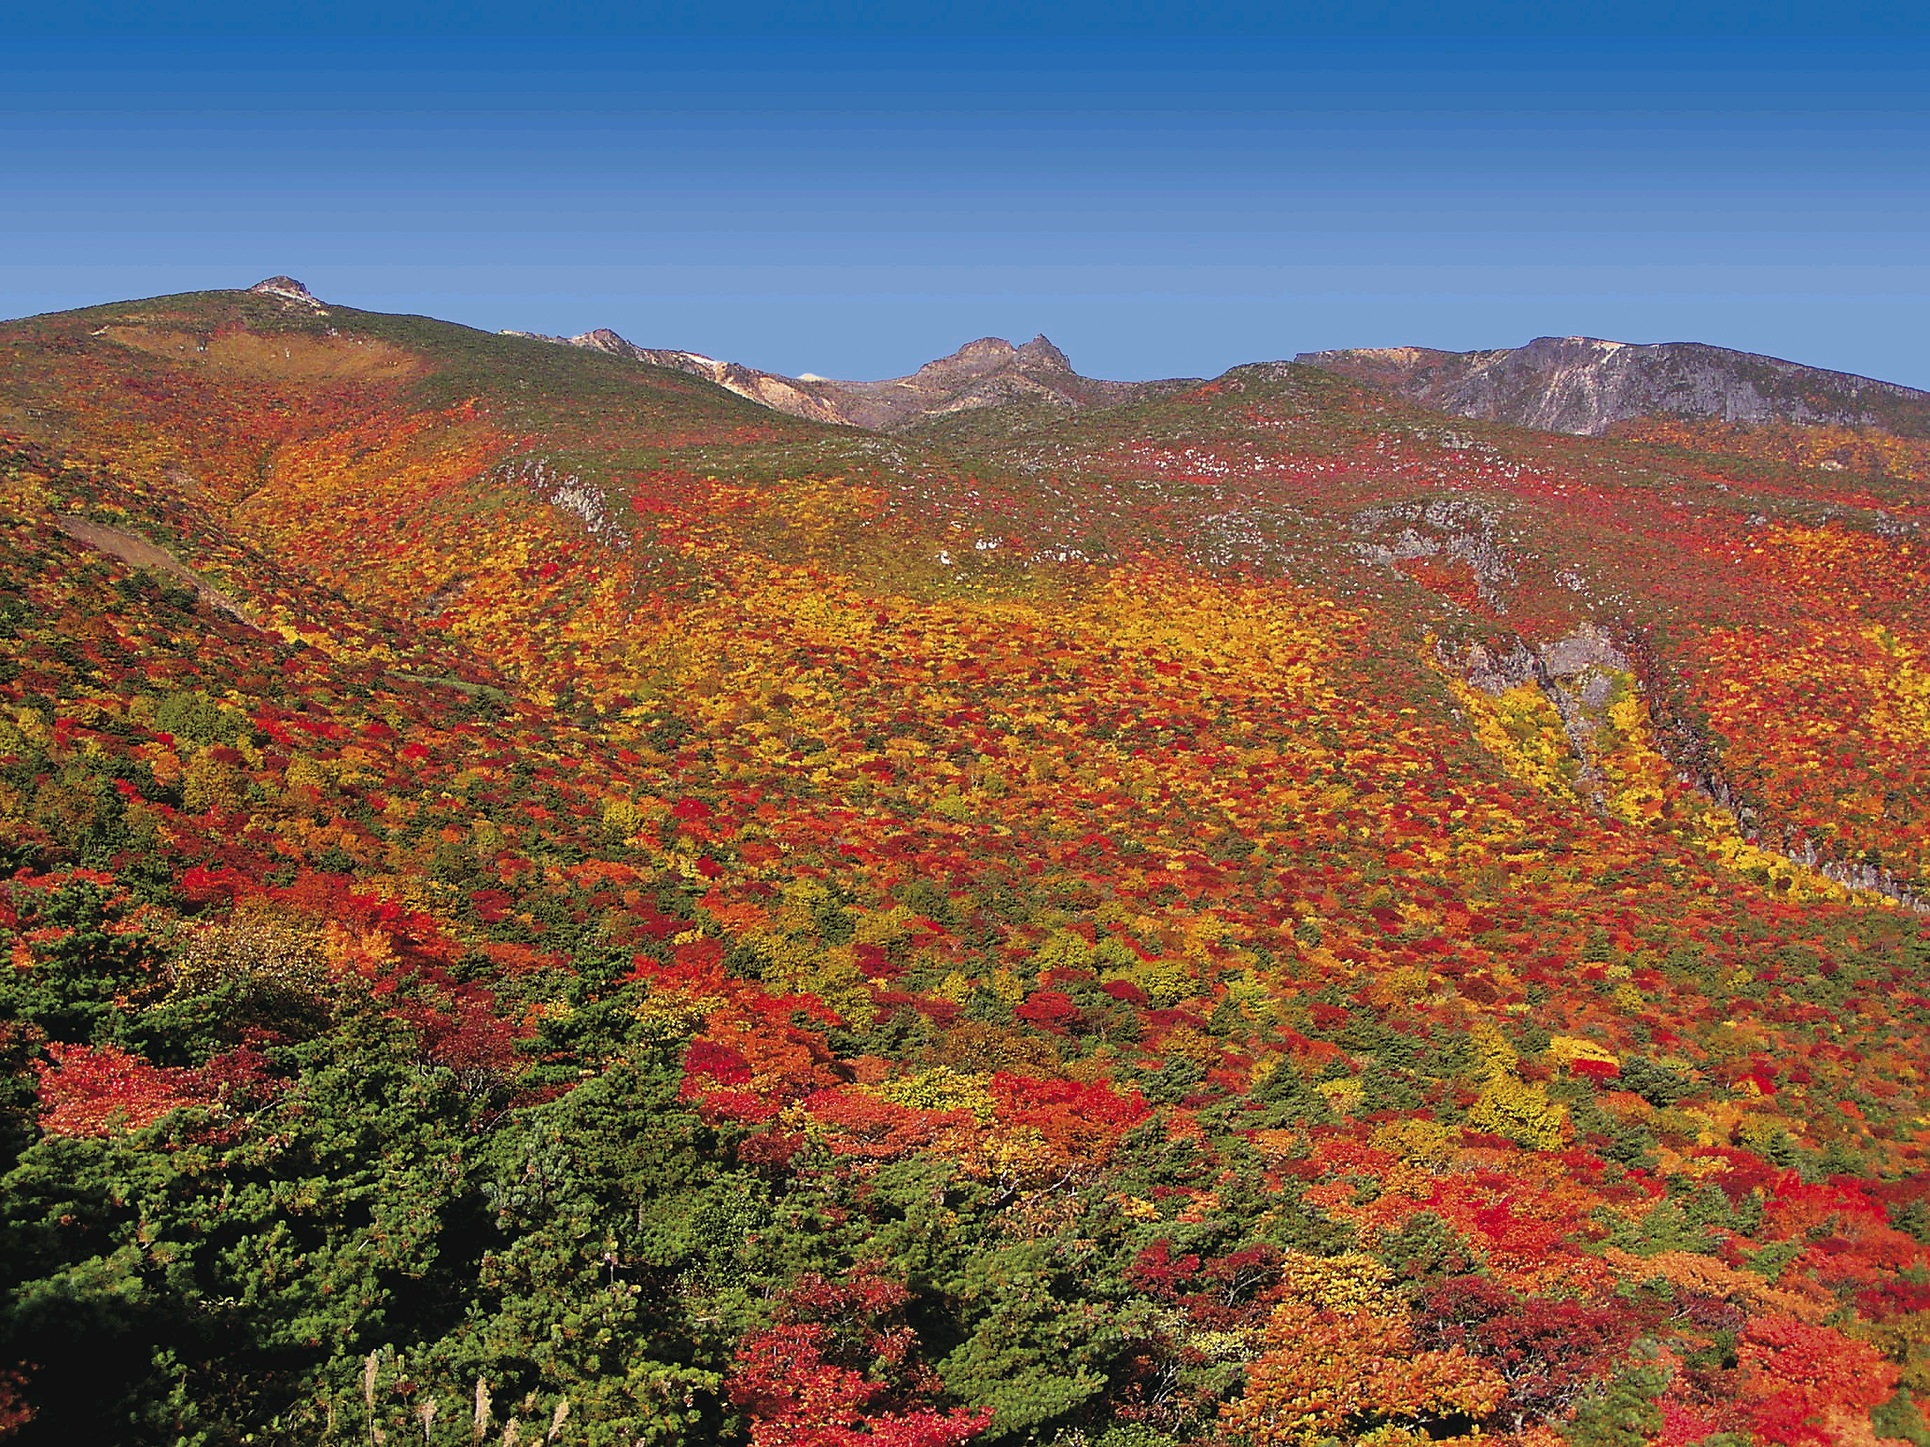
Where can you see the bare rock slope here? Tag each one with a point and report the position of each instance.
(1586, 385)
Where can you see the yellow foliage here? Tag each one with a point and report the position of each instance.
(1760, 1130)
(791, 965)
(207, 784)
(1716, 831)
(1903, 697)
(884, 926)
(954, 806)
(1422, 1141)
(1165, 981)
(1134, 1208)
(254, 951)
(1498, 1057)
(1392, 1435)
(1062, 950)
(1522, 1112)
(1409, 982)
(1018, 1157)
(955, 987)
(670, 1016)
(1565, 1050)
(1185, 1041)
(1335, 1283)
(622, 817)
(1344, 1096)
(1522, 729)
(942, 1088)
(304, 772)
(1634, 773)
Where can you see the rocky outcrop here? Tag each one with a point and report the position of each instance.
(1461, 528)
(989, 372)
(1578, 674)
(1586, 385)
(287, 290)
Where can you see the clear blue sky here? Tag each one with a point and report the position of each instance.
(850, 189)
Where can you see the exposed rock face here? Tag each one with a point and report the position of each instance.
(287, 289)
(986, 373)
(783, 394)
(1579, 675)
(1585, 385)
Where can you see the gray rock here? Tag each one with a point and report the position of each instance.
(1587, 385)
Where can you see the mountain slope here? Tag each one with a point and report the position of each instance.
(1586, 386)
(581, 907)
(1516, 540)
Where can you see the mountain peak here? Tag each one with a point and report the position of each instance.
(997, 352)
(1042, 353)
(602, 339)
(286, 288)
(982, 354)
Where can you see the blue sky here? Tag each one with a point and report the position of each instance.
(851, 189)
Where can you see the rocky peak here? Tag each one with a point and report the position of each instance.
(605, 340)
(1042, 354)
(286, 289)
(985, 349)
(978, 358)
(995, 354)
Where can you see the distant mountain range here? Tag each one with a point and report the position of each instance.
(1580, 385)
(989, 372)
(1585, 385)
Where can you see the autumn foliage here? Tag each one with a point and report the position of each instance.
(568, 907)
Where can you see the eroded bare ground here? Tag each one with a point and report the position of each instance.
(138, 552)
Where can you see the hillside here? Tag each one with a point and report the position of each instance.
(551, 901)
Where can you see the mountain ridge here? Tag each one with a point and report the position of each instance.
(1588, 385)
(1585, 386)
(986, 372)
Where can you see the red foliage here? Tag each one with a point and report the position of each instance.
(1797, 1374)
(467, 1036)
(808, 1380)
(1548, 1349)
(864, 1125)
(98, 1090)
(1080, 1119)
(15, 1410)
(1682, 1425)
(705, 1058)
(1052, 1010)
